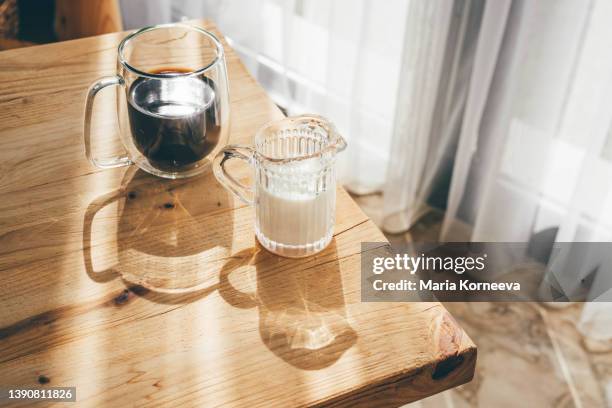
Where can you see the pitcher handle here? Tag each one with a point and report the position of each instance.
(245, 153)
(112, 162)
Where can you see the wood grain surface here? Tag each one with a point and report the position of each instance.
(141, 291)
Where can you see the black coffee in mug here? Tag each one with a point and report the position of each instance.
(174, 122)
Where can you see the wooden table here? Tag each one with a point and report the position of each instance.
(142, 291)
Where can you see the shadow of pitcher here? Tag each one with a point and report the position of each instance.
(302, 314)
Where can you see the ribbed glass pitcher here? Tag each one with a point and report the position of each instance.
(294, 190)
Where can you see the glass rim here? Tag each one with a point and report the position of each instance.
(218, 48)
(336, 141)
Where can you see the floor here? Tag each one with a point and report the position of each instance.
(529, 354)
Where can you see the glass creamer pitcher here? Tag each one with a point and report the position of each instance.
(294, 191)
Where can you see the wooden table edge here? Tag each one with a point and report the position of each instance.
(388, 390)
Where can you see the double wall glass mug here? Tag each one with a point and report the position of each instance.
(173, 105)
(294, 187)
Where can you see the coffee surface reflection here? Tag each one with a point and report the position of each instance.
(173, 121)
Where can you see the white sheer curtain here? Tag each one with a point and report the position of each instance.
(435, 77)
(339, 58)
(534, 152)
(540, 154)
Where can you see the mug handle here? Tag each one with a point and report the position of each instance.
(109, 163)
(245, 153)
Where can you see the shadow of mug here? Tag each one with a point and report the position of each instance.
(171, 235)
(302, 314)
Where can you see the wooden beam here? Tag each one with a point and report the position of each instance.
(9, 43)
(86, 18)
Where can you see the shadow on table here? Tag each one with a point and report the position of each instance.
(170, 241)
(170, 237)
(302, 314)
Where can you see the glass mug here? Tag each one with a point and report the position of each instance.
(294, 188)
(173, 108)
